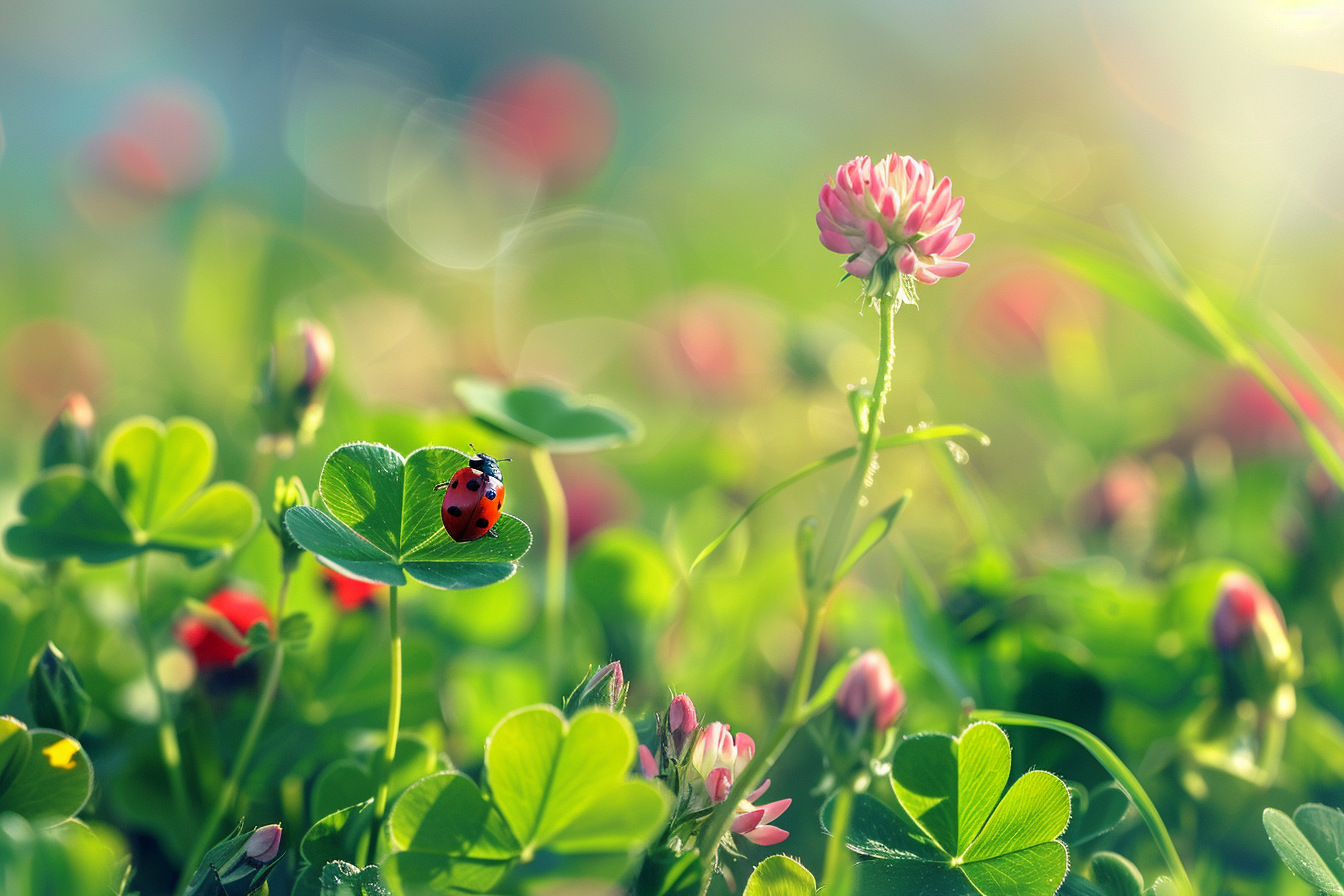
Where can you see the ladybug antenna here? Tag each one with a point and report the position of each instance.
(502, 459)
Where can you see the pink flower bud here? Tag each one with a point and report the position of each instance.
(681, 723)
(719, 782)
(648, 766)
(264, 844)
(870, 692)
(318, 353)
(1243, 606)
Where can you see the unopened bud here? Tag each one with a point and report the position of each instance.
(264, 844)
(1244, 607)
(291, 398)
(869, 692)
(318, 353)
(681, 724)
(605, 688)
(56, 693)
(69, 438)
(289, 493)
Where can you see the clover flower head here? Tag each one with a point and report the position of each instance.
(897, 224)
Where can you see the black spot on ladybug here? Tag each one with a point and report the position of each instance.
(454, 485)
(484, 524)
(454, 511)
(490, 494)
(474, 485)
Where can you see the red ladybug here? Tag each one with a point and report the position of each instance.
(473, 499)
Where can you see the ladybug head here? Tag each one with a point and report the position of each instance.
(484, 463)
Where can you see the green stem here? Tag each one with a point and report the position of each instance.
(229, 793)
(557, 547)
(839, 860)
(169, 747)
(816, 593)
(393, 725)
(1118, 770)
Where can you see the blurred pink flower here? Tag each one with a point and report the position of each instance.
(648, 766)
(870, 692)
(893, 217)
(1243, 606)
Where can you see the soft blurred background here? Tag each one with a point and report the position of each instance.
(618, 197)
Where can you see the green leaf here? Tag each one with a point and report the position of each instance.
(344, 879)
(150, 493)
(45, 775)
(780, 876)
(1116, 875)
(977, 843)
(560, 422)
(1310, 844)
(545, 773)
(872, 535)
(341, 836)
(1107, 806)
(383, 522)
(932, 433)
(830, 685)
(295, 628)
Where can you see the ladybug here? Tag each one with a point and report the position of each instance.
(473, 499)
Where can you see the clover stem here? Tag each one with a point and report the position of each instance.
(816, 594)
(229, 792)
(835, 879)
(1118, 770)
(393, 725)
(557, 546)
(169, 747)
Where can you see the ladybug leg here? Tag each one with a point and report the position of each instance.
(440, 487)
(492, 533)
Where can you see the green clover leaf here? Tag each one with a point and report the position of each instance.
(560, 422)
(149, 493)
(1311, 844)
(780, 876)
(555, 785)
(382, 521)
(45, 775)
(969, 838)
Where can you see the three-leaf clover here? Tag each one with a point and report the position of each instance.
(1311, 844)
(149, 492)
(780, 876)
(559, 422)
(45, 775)
(382, 521)
(555, 785)
(969, 837)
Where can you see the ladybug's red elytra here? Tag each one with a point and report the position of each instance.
(473, 499)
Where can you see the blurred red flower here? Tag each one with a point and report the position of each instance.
(349, 594)
(211, 649)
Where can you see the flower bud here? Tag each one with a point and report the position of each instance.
(681, 724)
(289, 493)
(870, 693)
(237, 865)
(69, 438)
(605, 688)
(264, 844)
(56, 693)
(291, 398)
(1249, 631)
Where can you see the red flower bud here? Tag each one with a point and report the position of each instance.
(869, 691)
(1243, 606)
(349, 594)
(212, 649)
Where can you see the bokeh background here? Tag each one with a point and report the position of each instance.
(618, 197)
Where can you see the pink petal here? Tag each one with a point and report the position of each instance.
(942, 198)
(906, 262)
(872, 231)
(767, 835)
(836, 242)
(747, 821)
(889, 205)
(937, 241)
(775, 809)
(913, 220)
(719, 782)
(959, 244)
(947, 268)
(954, 210)
(647, 764)
(859, 267)
(923, 275)
(756, 794)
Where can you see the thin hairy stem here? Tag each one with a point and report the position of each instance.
(169, 747)
(393, 724)
(557, 546)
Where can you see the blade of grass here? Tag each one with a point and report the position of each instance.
(932, 433)
(1117, 769)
